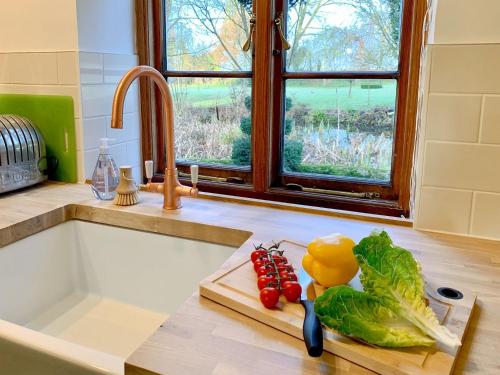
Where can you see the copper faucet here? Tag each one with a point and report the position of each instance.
(171, 187)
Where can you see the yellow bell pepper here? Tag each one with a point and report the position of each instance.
(330, 261)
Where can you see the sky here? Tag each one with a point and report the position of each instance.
(332, 15)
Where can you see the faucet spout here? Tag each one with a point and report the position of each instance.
(172, 188)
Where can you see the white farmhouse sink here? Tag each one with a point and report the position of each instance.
(81, 297)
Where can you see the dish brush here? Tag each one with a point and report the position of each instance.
(127, 192)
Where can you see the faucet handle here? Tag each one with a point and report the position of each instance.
(194, 175)
(148, 166)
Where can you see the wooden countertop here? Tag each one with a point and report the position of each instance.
(203, 337)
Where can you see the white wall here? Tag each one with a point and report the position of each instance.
(100, 73)
(106, 26)
(458, 185)
(106, 32)
(78, 48)
(38, 26)
(39, 51)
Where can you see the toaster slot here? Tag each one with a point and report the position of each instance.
(4, 158)
(9, 142)
(23, 142)
(21, 124)
(38, 139)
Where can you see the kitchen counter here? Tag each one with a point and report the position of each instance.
(203, 337)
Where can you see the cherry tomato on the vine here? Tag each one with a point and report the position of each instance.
(260, 262)
(265, 270)
(269, 297)
(279, 259)
(291, 290)
(256, 254)
(284, 267)
(266, 281)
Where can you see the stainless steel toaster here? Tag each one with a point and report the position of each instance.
(23, 160)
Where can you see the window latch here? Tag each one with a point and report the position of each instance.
(248, 43)
(368, 195)
(231, 179)
(284, 43)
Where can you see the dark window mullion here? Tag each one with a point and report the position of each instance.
(207, 74)
(341, 75)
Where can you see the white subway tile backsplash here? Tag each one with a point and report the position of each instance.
(137, 174)
(106, 26)
(462, 166)
(4, 71)
(131, 128)
(468, 69)
(119, 153)
(132, 99)
(67, 68)
(115, 66)
(491, 120)
(33, 68)
(133, 152)
(93, 130)
(459, 176)
(91, 68)
(453, 117)
(89, 160)
(466, 21)
(97, 99)
(486, 215)
(444, 210)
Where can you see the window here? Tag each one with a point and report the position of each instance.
(319, 111)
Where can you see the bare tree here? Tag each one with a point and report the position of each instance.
(210, 13)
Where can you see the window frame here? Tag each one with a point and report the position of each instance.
(263, 180)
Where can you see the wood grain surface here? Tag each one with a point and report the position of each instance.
(204, 337)
(236, 288)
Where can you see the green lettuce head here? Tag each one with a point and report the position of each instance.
(392, 274)
(364, 316)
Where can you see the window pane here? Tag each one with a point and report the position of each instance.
(212, 120)
(207, 35)
(340, 127)
(349, 35)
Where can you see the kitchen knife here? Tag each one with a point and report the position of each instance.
(313, 333)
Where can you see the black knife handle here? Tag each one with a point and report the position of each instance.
(313, 333)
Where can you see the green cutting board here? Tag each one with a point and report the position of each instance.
(55, 117)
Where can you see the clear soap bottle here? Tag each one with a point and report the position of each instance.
(106, 176)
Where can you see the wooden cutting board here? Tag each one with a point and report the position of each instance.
(236, 288)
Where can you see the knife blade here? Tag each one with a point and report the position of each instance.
(312, 331)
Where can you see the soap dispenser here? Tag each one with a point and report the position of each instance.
(106, 176)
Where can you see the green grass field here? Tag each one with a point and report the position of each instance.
(318, 97)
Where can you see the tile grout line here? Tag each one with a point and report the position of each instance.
(481, 119)
(463, 143)
(471, 215)
(57, 69)
(461, 189)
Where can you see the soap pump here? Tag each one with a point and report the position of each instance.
(106, 175)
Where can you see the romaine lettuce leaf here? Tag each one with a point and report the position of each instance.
(392, 274)
(361, 315)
